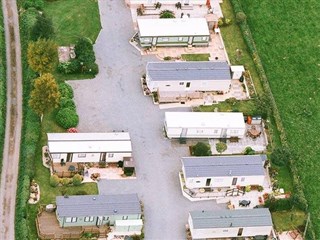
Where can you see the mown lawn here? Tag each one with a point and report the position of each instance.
(288, 220)
(73, 19)
(196, 57)
(287, 37)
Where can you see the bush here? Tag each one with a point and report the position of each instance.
(65, 90)
(221, 147)
(77, 180)
(240, 17)
(72, 66)
(279, 204)
(167, 58)
(120, 164)
(67, 118)
(84, 51)
(65, 181)
(37, 4)
(249, 151)
(43, 28)
(280, 156)
(167, 14)
(54, 181)
(128, 171)
(67, 103)
(201, 149)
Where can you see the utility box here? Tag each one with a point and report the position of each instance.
(237, 71)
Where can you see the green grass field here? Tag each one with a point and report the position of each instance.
(287, 38)
(196, 57)
(73, 19)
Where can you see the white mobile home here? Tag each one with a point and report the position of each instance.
(182, 81)
(166, 2)
(173, 32)
(230, 223)
(204, 125)
(89, 147)
(223, 171)
(99, 210)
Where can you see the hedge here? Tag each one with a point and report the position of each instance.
(67, 118)
(30, 133)
(66, 90)
(300, 199)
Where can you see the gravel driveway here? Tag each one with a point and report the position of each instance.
(114, 101)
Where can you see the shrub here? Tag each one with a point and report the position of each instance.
(84, 51)
(248, 188)
(167, 14)
(128, 171)
(279, 204)
(249, 151)
(241, 17)
(120, 164)
(72, 66)
(77, 179)
(43, 28)
(54, 181)
(201, 149)
(221, 147)
(65, 181)
(65, 90)
(67, 103)
(280, 156)
(92, 68)
(167, 58)
(67, 118)
(37, 4)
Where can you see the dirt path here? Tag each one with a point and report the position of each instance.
(14, 120)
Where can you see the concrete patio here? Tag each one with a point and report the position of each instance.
(259, 144)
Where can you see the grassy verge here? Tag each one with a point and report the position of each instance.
(233, 41)
(73, 19)
(195, 57)
(3, 81)
(288, 220)
(290, 52)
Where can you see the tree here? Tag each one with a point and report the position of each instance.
(221, 147)
(42, 56)
(201, 149)
(45, 94)
(280, 156)
(43, 28)
(167, 14)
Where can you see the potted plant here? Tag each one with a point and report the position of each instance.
(178, 5)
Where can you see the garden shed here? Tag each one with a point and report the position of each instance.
(89, 147)
(204, 125)
(223, 171)
(230, 223)
(173, 32)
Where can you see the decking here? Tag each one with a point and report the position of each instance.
(48, 228)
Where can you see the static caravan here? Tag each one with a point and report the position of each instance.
(183, 81)
(98, 210)
(166, 2)
(230, 223)
(223, 171)
(204, 125)
(173, 32)
(89, 147)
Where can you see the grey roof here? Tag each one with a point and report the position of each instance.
(185, 71)
(231, 218)
(219, 166)
(97, 205)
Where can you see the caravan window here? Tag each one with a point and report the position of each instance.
(88, 219)
(81, 155)
(71, 219)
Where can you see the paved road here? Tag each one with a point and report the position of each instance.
(114, 101)
(13, 124)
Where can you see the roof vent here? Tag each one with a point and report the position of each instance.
(93, 198)
(115, 210)
(230, 172)
(66, 196)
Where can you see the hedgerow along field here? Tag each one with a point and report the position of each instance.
(287, 37)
